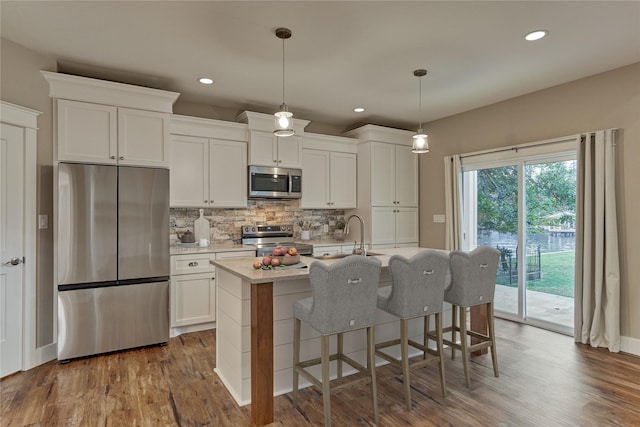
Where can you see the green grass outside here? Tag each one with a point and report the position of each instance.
(557, 274)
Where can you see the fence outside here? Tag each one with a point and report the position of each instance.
(508, 268)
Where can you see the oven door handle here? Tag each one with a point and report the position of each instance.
(290, 181)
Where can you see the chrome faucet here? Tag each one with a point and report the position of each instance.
(362, 250)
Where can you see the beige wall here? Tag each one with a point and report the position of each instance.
(607, 100)
(21, 83)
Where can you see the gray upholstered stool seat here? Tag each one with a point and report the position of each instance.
(417, 290)
(343, 299)
(473, 282)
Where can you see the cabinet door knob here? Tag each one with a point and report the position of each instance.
(121, 157)
(113, 157)
(193, 264)
(206, 201)
(275, 161)
(279, 161)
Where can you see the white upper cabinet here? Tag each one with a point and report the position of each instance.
(189, 171)
(111, 135)
(343, 180)
(316, 179)
(143, 138)
(394, 175)
(328, 172)
(265, 149)
(227, 174)
(87, 132)
(110, 123)
(207, 171)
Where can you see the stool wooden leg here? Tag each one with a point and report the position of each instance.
(492, 336)
(453, 331)
(339, 360)
(296, 360)
(440, 346)
(371, 366)
(404, 350)
(326, 386)
(426, 335)
(463, 340)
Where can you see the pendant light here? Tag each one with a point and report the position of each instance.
(284, 119)
(420, 139)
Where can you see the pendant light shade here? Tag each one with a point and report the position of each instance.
(420, 139)
(284, 118)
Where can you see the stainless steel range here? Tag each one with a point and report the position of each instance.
(267, 237)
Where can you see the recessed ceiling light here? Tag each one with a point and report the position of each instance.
(536, 35)
(358, 109)
(205, 81)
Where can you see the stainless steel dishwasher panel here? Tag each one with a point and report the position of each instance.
(104, 319)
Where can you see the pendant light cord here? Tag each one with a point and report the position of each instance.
(420, 101)
(283, 98)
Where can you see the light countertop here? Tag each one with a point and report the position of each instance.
(243, 267)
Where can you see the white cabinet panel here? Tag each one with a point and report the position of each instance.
(143, 138)
(343, 180)
(227, 174)
(189, 171)
(86, 132)
(289, 152)
(407, 225)
(193, 299)
(383, 220)
(383, 171)
(406, 177)
(315, 179)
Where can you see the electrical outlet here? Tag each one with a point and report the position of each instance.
(438, 218)
(325, 228)
(43, 222)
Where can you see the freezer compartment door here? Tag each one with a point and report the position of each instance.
(87, 227)
(100, 320)
(143, 237)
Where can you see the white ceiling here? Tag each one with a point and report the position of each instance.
(342, 54)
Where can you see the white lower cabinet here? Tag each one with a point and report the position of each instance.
(193, 290)
(394, 227)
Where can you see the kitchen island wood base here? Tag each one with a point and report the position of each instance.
(262, 353)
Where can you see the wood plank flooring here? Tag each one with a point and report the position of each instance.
(545, 380)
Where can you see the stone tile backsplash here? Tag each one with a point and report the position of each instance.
(226, 223)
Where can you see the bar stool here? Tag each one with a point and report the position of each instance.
(417, 290)
(344, 299)
(473, 282)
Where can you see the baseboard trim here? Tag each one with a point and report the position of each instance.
(630, 345)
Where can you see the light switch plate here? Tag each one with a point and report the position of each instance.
(43, 222)
(438, 218)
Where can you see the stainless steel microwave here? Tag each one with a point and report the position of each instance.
(274, 183)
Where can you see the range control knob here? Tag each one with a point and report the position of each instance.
(253, 229)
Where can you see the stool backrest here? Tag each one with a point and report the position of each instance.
(473, 276)
(417, 284)
(344, 294)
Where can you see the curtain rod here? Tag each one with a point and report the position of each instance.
(521, 146)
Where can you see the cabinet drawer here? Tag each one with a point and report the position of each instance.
(192, 263)
(235, 254)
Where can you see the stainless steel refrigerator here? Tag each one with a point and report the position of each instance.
(113, 258)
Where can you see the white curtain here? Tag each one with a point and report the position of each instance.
(453, 204)
(597, 291)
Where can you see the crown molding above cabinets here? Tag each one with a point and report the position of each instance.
(66, 86)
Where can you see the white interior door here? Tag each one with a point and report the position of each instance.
(11, 247)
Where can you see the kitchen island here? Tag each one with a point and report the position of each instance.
(254, 338)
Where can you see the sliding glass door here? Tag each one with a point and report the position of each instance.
(525, 207)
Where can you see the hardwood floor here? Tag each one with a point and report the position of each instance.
(545, 380)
